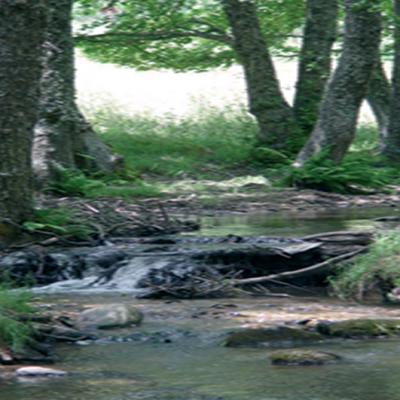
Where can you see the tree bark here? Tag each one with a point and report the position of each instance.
(63, 139)
(314, 66)
(378, 98)
(22, 28)
(391, 143)
(337, 121)
(274, 116)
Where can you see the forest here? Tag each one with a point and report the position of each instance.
(220, 246)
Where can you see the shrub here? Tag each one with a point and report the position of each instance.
(355, 174)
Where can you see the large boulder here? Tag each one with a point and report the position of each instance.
(109, 316)
(360, 328)
(302, 357)
(271, 337)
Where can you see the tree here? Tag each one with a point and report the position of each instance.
(314, 65)
(379, 99)
(266, 102)
(22, 27)
(391, 143)
(63, 138)
(336, 125)
(201, 34)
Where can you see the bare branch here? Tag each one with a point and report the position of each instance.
(300, 272)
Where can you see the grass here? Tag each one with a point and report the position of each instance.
(14, 333)
(215, 145)
(76, 183)
(380, 265)
(208, 144)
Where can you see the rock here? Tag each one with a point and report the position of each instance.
(39, 372)
(274, 336)
(302, 357)
(360, 328)
(109, 316)
(6, 356)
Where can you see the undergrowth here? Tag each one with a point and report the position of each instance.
(13, 332)
(60, 221)
(356, 174)
(76, 183)
(380, 266)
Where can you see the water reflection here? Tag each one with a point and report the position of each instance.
(286, 224)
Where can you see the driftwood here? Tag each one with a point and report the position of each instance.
(299, 273)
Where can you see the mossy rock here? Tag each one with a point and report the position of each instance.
(267, 156)
(302, 357)
(360, 328)
(275, 336)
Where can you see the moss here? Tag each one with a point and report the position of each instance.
(360, 328)
(302, 357)
(275, 336)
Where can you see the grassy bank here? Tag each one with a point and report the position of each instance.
(13, 332)
(215, 145)
(378, 269)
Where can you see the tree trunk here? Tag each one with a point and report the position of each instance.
(391, 144)
(266, 102)
(378, 98)
(62, 136)
(22, 27)
(315, 61)
(337, 121)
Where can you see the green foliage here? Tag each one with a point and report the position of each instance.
(207, 144)
(355, 174)
(60, 221)
(76, 183)
(380, 264)
(269, 157)
(13, 332)
(181, 35)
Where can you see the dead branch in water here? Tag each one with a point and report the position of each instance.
(300, 272)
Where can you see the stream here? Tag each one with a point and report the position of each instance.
(177, 353)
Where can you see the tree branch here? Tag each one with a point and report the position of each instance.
(160, 35)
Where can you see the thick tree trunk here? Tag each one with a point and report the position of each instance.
(315, 61)
(266, 102)
(391, 144)
(336, 125)
(378, 98)
(22, 27)
(62, 136)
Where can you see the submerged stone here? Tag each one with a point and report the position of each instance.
(302, 357)
(109, 316)
(360, 328)
(274, 336)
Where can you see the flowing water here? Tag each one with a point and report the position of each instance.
(180, 356)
